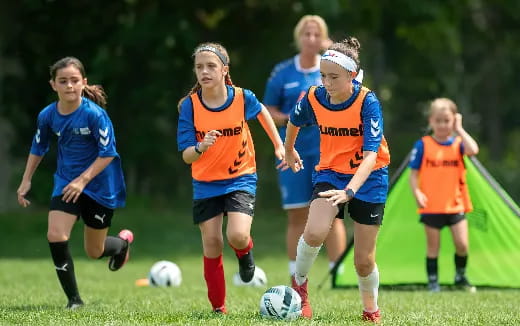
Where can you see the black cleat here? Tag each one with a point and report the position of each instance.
(462, 283)
(74, 303)
(117, 261)
(246, 267)
(434, 287)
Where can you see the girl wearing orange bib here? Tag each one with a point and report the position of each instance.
(213, 136)
(353, 169)
(438, 181)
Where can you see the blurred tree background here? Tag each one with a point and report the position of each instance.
(140, 51)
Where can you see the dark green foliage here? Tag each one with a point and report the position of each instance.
(140, 51)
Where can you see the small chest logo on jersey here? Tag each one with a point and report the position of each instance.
(291, 85)
(334, 131)
(83, 131)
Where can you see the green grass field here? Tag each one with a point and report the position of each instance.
(30, 293)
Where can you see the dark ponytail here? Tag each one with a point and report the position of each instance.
(96, 94)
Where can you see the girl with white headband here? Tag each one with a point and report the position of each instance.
(353, 169)
(289, 81)
(214, 138)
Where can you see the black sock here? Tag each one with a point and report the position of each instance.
(113, 246)
(431, 269)
(64, 268)
(460, 264)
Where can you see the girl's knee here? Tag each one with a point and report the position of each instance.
(238, 239)
(56, 236)
(461, 248)
(364, 266)
(314, 239)
(213, 242)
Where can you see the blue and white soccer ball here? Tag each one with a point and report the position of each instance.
(281, 302)
(165, 273)
(259, 279)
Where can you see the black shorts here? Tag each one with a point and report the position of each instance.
(360, 211)
(93, 214)
(439, 221)
(236, 201)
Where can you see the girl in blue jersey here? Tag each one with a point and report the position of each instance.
(445, 204)
(289, 80)
(213, 136)
(88, 181)
(353, 168)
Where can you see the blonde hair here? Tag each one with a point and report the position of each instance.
(440, 104)
(322, 25)
(224, 59)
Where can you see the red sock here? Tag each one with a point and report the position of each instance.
(214, 276)
(243, 252)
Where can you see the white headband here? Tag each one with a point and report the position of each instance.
(339, 58)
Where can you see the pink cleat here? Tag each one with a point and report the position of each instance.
(117, 261)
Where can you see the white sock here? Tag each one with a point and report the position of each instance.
(368, 289)
(292, 267)
(331, 265)
(305, 257)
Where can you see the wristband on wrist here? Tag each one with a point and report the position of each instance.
(350, 193)
(197, 150)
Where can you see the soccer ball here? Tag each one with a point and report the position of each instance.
(165, 273)
(259, 279)
(281, 302)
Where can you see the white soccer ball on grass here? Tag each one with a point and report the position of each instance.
(165, 273)
(281, 302)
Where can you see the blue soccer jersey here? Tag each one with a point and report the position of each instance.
(82, 136)
(375, 187)
(286, 85)
(186, 138)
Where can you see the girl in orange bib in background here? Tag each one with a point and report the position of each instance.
(214, 137)
(438, 182)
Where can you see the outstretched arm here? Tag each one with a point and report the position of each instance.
(32, 163)
(420, 197)
(280, 119)
(268, 124)
(291, 155)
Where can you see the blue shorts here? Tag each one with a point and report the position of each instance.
(296, 188)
